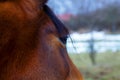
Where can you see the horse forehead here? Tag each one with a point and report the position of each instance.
(21, 8)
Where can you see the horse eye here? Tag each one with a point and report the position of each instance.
(63, 39)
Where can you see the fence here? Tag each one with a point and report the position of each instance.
(107, 43)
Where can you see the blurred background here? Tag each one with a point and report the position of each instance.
(95, 31)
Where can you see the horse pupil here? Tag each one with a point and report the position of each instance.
(64, 39)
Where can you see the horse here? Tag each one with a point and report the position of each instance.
(32, 43)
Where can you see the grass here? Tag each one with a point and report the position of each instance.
(107, 67)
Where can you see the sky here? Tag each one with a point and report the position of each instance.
(78, 6)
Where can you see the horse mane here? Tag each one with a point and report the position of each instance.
(62, 30)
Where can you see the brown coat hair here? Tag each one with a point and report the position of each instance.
(31, 46)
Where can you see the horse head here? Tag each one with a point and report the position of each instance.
(32, 43)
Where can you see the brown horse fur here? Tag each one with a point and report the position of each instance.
(30, 45)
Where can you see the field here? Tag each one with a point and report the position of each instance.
(107, 67)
